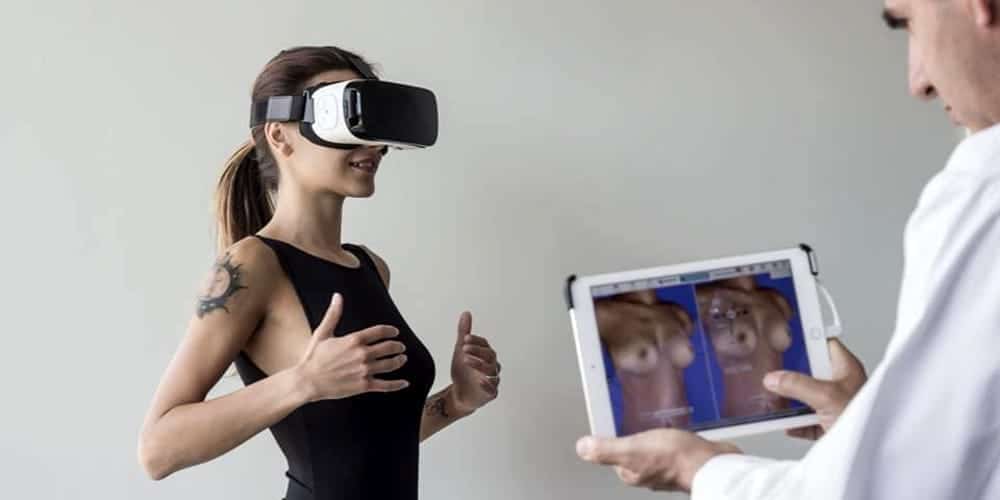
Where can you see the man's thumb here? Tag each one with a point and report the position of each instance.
(604, 451)
(794, 385)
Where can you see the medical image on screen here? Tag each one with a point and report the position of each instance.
(691, 351)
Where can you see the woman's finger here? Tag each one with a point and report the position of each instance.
(476, 340)
(481, 366)
(483, 353)
(384, 349)
(386, 365)
(488, 388)
(379, 385)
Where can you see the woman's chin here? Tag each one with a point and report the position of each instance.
(362, 190)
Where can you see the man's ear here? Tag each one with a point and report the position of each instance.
(278, 139)
(984, 12)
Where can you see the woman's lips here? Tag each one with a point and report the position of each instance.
(365, 164)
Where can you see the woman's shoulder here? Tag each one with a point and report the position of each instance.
(240, 282)
(252, 256)
(380, 263)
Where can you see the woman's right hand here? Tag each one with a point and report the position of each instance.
(341, 367)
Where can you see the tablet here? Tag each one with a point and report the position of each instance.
(687, 346)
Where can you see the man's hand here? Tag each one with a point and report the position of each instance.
(827, 397)
(662, 459)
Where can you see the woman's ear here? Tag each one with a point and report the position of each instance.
(278, 138)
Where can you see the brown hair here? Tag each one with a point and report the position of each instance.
(243, 197)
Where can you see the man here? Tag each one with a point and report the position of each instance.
(927, 423)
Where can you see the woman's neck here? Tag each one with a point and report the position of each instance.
(310, 221)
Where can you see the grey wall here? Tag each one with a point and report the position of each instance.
(578, 136)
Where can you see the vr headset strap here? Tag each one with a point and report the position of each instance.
(300, 108)
(282, 108)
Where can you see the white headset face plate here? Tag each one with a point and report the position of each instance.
(326, 111)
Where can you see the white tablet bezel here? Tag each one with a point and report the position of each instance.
(589, 348)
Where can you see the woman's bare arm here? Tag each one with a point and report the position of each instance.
(181, 429)
(440, 411)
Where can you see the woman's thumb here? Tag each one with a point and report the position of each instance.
(464, 325)
(330, 319)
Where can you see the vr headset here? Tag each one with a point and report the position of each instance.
(355, 113)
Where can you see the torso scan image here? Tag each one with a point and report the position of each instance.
(650, 346)
(749, 331)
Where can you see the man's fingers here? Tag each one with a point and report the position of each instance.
(811, 433)
(845, 364)
(818, 394)
(627, 476)
(797, 433)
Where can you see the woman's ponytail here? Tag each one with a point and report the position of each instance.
(242, 199)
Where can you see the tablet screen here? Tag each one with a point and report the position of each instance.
(691, 351)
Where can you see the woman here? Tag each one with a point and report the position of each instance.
(343, 387)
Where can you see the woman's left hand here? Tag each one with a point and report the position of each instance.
(475, 370)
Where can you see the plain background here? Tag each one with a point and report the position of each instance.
(577, 137)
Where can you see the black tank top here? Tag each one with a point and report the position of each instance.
(364, 447)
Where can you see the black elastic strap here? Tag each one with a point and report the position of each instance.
(299, 108)
(282, 108)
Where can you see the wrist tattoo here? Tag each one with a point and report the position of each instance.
(225, 280)
(436, 405)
